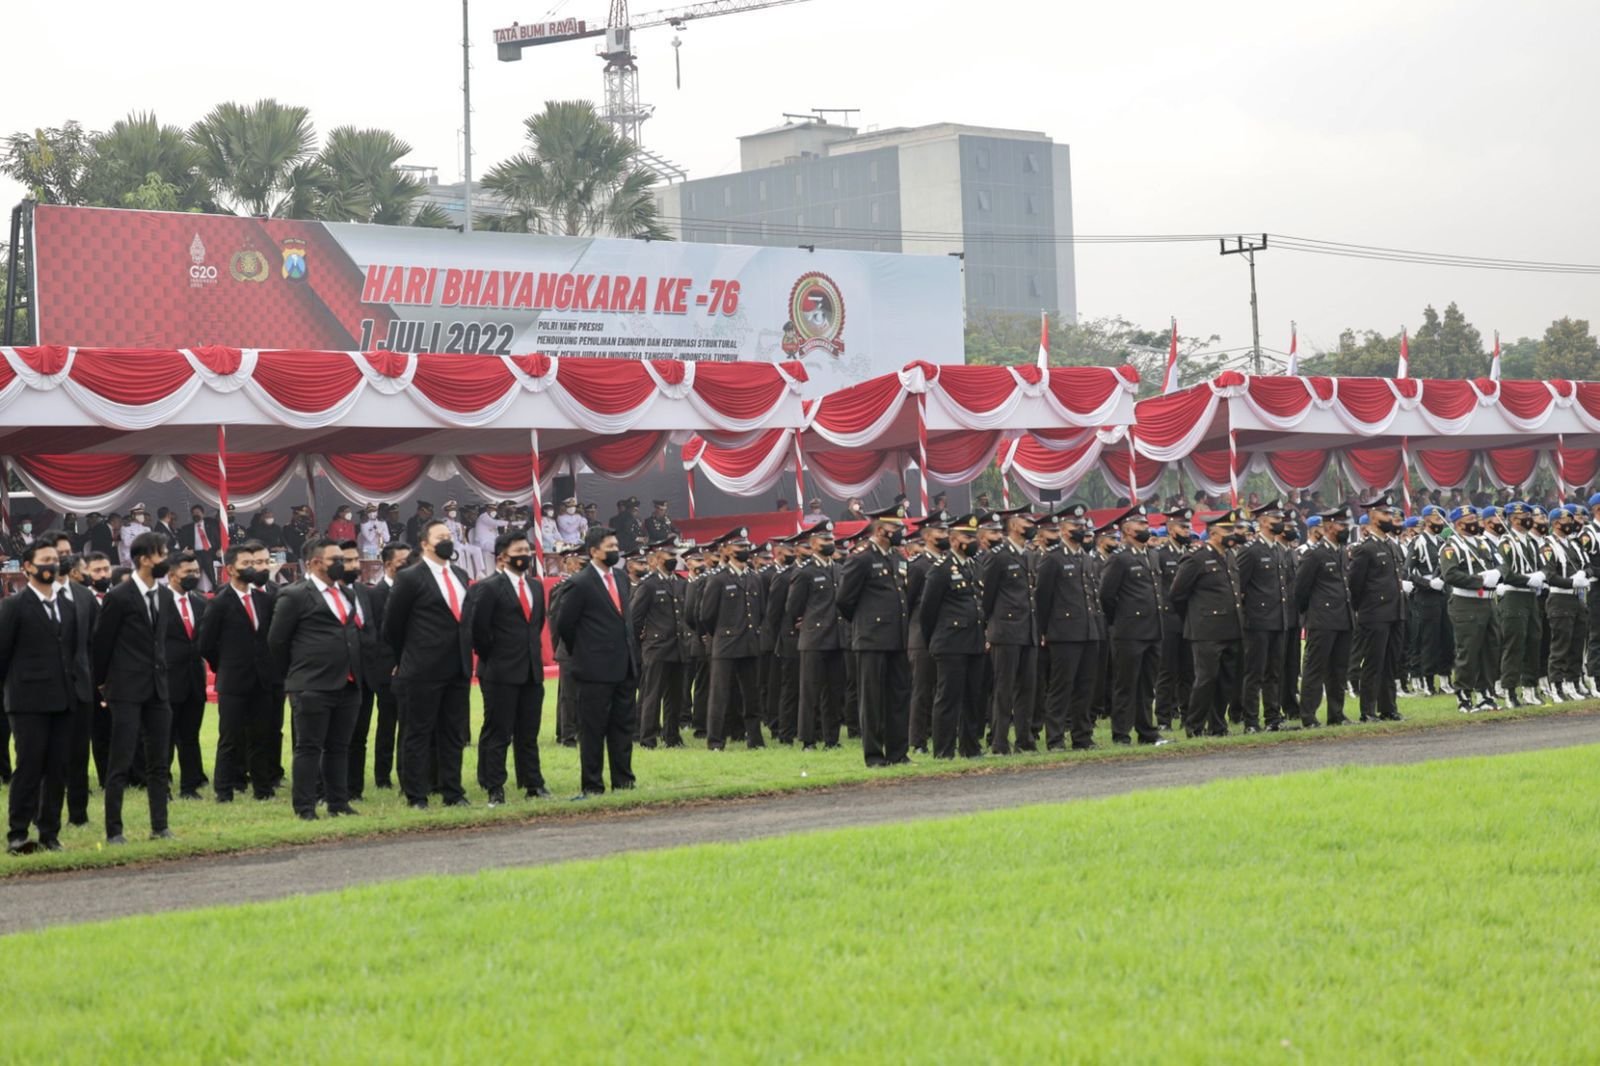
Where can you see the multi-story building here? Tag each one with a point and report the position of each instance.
(1000, 198)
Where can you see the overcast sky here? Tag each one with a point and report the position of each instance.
(1463, 127)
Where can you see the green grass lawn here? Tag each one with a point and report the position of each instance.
(1442, 912)
(665, 776)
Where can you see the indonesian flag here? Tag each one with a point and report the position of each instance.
(1294, 351)
(1044, 340)
(1169, 384)
(1494, 361)
(1405, 357)
(222, 487)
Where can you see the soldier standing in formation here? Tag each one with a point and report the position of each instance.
(1206, 590)
(950, 621)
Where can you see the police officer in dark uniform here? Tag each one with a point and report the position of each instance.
(1074, 625)
(655, 615)
(697, 659)
(1429, 621)
(566, 688)
(1377, 567)
(1266, 583)
(730, 615)
(872, 597)
(1175, 677)
(811, 601)
(1134, 602)
(950, 618)
(657, 526)
(1013, 637)
(626, 525)
(1322, 595)
(784, 670)
(933, 531)
(1206, 591)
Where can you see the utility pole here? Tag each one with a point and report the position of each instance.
(466, 116)
(1248, 247)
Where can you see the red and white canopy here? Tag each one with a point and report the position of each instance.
(946, 421)
(84, 427)
(1291, 428)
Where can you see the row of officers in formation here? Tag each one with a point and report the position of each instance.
(993, 632)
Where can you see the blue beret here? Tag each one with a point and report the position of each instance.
(1594, 501)
(1535, 510)
(1559, 512)
(1364, 520)
(1314, 520)
(1463, 512)
(1517, 507)
(1433, 509)
(1411, 523)
(1490, 511)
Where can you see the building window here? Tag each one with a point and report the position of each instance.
(984, 202)
(838, 218)
(691, 201)
(872, 172)
(1030, 163)
(986, 284)
(800, 221)
(836, 178)
(799, 185)
(877, 214)
(727, 196)
(980, 158)
(761, 190)
(727, 234)
(1032, 204)
(1033, 285)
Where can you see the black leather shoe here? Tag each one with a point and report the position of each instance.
(1124, 741)
(78, 823)
(306, 816)
(648, 744)
(188, 794)
(224, 797)
(582, 796)
(343, 811)
(537, 793)
(497, 797)
(1091, 746)
(459, 801)
(21, 847)
(1275, 727)
(1249, 729)
(1313, 724)
(163, 834)
(1156, 743)
(417, 805)
(628, 786)
(51, 845)
(1395, 717)
(116, 841)
(263, 797)
(385, 783)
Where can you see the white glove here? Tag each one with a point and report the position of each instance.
(1436, 584)
(1491, 578)
(1406, 586)
(1536, 580)
(1580, 580)
(1500, 593)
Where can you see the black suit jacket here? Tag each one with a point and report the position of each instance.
(186, 670)
(428, 643)
(313, 650)
(38, 657)
(507, 643)
(377, 658)
(594, 631)
(88, 608)
(235, 651)
(130, 661)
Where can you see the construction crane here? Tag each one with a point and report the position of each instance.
(622, 107)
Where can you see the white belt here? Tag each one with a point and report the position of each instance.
(1473, 594)
(1563, 592)
(1519, 588)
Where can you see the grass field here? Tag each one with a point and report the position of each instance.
(1441, 912)
(665, 776)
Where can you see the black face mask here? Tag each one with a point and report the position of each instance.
(1473, 530)
(742, 554)
(1524, 524)
(1141, 536)
(1565, 528)
(669, 565)
(1276, 529)
(1341, 537)
(259, 578)
(966, 550)
(942, 544)
(101, 584)
(445, 550)
(1435, 528)
(1078, 536)
(190, 583)
(336, 571)
(1385, 525)
(1028, 533)
(518, 563)
(45, 574)
(1232, 540)
(826, 550)
(610, 558)
(159, 571)
(897, 537)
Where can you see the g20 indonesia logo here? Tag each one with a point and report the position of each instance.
(816, 317)
(200, 272)
(294, 259)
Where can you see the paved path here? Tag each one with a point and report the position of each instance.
(54, 899)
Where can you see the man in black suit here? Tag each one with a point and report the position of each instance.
(84, 702)
(202, 536)
(1134, 601)
(130, 667)
(377, 661)
(593, 625)
(418, 523)
(507, 612)
(233, 639)
(317, 648)
(186, 674)
(38, 661)
(872, 597)
(811, 607)
(425, 623)
(379, 679)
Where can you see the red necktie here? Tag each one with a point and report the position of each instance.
(450, 595)
(250, 609)
(611, 587)
(200, 535)
(338, 604)
(183, 610)
(527, 607)
(360, 624)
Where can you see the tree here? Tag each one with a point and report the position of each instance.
(999, 338)
(1448, 347)
(578, 178)
(1568, 351)
(54, 163)
(1516, 358)
(364, 182)
(141, 163)
(258, 158)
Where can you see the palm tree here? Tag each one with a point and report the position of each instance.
(139, 151)
(365, 183)
(256, 157)
(578, 178)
